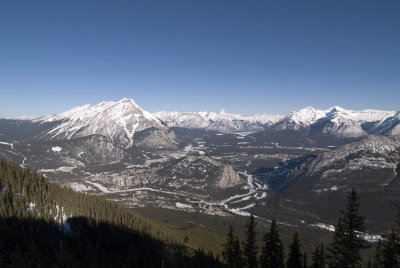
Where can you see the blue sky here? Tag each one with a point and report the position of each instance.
(243, 56)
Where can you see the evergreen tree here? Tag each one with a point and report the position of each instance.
(305, 264)
(272, 252)
(229, 249)
(238, 254)
(294, 258)
(378, 262)
(249, 245)
(391, 251)
(347, 240)
(318, 257)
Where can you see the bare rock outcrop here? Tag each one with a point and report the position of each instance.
(229, 178)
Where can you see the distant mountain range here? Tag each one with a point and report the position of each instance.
(125, 124)
(335, 121)
(221, 122)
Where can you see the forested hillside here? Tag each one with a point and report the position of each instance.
(43, 224)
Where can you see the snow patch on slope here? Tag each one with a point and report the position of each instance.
(56, 149)
(373, 151)
(368, 237)
(184, 206)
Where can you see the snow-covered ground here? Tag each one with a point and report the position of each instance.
(181, 205)
(368, 237)
(60, 169)
(80, 187)
(7, 143)
(149, 189)
(99, 186)
(56, 149)
(256, 191)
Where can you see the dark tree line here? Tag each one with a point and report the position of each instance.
(272, 252)
(388, 255)
(345, 250)
(232, 252)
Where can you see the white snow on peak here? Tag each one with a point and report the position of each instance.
(360, 116)
(390, 125)
(221, 121)
(111, 108)
(299, 119)
(335, 121)
(348, 123)
(21, 117)
(306, 116)
(337, 109)
(118, 121)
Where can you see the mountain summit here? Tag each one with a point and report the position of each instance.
(118, 121)
(339, 122)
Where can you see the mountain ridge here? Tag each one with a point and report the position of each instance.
(222, 121)
(335, 121)
(125, 124)
(118, 121)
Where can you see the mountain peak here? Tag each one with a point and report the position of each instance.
(308, 108)
(127, 100)
(118, 121)
(337, 109)
(124, 103)
(305, 116)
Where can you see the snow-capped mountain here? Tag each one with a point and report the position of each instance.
(221, 122)
(374, 151)
(337, 122)
(118, 121)
(125, 125)
(340, 123)
(299, 119)
(389, 125)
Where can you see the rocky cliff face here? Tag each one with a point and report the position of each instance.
(229, 178)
